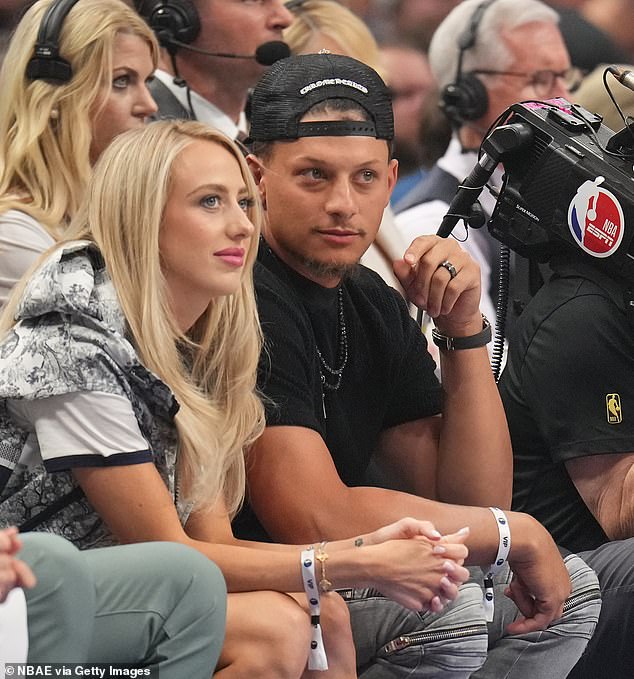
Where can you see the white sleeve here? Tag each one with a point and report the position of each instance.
(420, 220)
(14, 633)
(22, 240)
(83, 429)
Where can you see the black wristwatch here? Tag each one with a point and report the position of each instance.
(481, 339)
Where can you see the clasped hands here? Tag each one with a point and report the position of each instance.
(421, 569)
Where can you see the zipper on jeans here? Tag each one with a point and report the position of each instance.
(581, 598)
(429, 637)
(419, 638)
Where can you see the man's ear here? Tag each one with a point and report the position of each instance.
(257, 170)
(392, 175)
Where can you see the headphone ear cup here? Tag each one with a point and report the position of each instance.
(170, 20)
(46, 62)
(465, 100)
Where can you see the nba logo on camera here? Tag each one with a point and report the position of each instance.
(595, 219)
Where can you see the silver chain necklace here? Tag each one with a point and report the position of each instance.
(331, 377)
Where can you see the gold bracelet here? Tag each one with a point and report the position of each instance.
(324, 584)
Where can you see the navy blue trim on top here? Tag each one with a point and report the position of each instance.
(60, 464)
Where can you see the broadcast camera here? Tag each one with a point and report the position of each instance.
(568, 186)
(568, 191)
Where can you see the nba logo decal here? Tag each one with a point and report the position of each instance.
(595, 219)
(613, 407)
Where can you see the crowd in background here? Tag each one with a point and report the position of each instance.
(596, 32)
(197, 348)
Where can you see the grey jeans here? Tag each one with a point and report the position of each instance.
(610, 653)
(158, 605)
(393, 642)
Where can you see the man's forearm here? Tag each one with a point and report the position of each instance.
(475, 460)
(365, 509)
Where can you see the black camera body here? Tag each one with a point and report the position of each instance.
(570, 191)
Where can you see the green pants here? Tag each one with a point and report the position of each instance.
(157, 605)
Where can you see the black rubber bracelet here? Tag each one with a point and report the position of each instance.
(481, 339)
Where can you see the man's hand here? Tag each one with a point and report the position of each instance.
(13, 572)
(540, 582)
(439, 276)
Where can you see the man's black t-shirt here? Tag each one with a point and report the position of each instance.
(574, 351)
(388, 379)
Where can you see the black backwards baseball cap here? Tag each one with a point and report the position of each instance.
(294, 85)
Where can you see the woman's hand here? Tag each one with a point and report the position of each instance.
(416, 566)
(402, 529)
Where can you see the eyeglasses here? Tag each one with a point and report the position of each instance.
(543, 81)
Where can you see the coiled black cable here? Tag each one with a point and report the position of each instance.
(497, 353)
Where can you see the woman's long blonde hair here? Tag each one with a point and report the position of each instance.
(45, 128)
(212, 369)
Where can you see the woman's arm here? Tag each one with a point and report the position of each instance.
(135, 504)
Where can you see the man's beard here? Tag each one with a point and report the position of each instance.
(332, 270)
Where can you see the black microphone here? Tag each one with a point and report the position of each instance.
(502, 139)
(467, 194)
(266, 54)
(623, 75)
(270, 52)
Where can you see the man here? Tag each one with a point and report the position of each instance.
(347, 378)
(192, 83)
(485, 56)
(567, 391)
(588, 45)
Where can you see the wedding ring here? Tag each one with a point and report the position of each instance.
(450, 267)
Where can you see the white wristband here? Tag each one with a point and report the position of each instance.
(504, 548)
(317, 659)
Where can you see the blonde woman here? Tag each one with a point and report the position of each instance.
(52, 131)
(130, 375)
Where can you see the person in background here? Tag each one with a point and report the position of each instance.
(159, 606)
(593, 96)
(9, 11)
(53, 130)
(416, 20)
(193, 84)
(146, 315)
(327, 25)
(616, 19)
(587, 43)
(410, 80)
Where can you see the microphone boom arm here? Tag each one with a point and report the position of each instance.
(503, 139)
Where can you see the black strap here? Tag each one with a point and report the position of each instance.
(75, 494)
(168, 105)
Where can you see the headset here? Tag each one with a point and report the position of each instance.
(466, 97)
(173, 21)
(46, 63)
